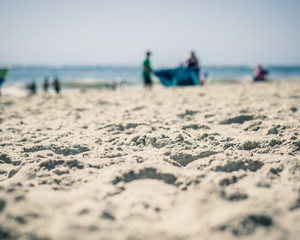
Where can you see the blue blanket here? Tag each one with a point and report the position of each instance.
(177, 77)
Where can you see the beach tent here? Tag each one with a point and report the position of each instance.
(177, 77)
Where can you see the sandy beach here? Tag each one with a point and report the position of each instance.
(213, 162)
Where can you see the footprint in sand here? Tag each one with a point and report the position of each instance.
(248, 225)
(146, 173)
(232, 166)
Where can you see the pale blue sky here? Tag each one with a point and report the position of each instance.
(115, 32)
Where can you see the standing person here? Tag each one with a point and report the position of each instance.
(32, 87)
(3, 72)
(56, 85)
(46, 84)
(147, 70)
(192, 63)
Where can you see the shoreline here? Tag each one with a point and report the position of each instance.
(18, 89)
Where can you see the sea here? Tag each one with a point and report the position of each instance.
(23, 75)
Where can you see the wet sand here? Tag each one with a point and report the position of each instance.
(213, 162)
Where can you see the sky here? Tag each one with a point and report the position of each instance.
(118, 32)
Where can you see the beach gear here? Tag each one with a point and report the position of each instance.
(177, 77)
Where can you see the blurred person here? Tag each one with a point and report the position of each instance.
(116, 83)
(46, 84)
(260, 74)
(203, 78)
(56, 85)
(147, 70)
(192, 63)
(32, 87)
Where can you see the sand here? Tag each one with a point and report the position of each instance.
(213, 162)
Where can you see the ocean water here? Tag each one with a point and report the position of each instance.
(132, 75)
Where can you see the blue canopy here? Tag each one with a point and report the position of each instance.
(177, 77)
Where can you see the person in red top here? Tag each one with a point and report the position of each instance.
(260, 73)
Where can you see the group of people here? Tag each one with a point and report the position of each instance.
(191, 63)
(260, 73)
(32, 87)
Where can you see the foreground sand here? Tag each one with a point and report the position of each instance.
(219, 162)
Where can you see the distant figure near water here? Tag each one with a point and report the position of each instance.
(46, 84)
(56, 85)
(3, 72)
(203, 77)
(260, 74)
(147, 70)
(32, 87)
(192, 63)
